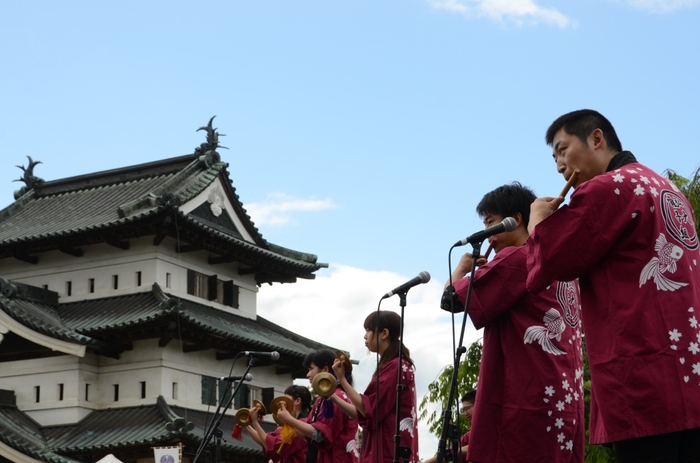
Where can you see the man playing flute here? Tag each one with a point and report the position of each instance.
(529, 406)
(628, 235)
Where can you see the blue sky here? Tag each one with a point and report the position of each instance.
(364, 132)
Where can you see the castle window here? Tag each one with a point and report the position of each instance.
(91, 285)
(60, 391)
(263, 394)
(174, 390)
(87, 392)
(230, 297)
(37, 394)
(208, 390)
(138, 278)
(115, 281)
(116, 392)
(143, 389)
(198, 285)
(212, 289)
(167, 280)
(69, 288)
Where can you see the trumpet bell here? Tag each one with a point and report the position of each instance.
(242, 417)
(324, 384)
(258, 404)
(342, 356)
(276, 404)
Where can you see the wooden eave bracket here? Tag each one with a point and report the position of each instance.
(123, 245)
(24, 257)
(71, 251)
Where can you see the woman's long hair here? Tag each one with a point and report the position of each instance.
(300, 392)
(378, 321)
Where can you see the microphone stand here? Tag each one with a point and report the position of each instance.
(404, 452)
(442, 443)
(218, 416)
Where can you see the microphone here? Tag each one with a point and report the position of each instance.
(274, 355)
(247, 377)
(423, 277)
(509, 224)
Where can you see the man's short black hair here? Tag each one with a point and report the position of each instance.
(506, 200)
(582, 123)
(469, 396)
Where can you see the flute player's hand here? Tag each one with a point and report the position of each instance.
(541, 208)
(465, 266)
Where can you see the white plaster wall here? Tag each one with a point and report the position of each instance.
(101, 262)
(47, 373)
(158, 367)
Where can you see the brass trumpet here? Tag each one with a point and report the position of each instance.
(345, 359)
(276, 404)
(242, 416)
(325, 384)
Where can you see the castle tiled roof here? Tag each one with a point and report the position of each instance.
(104, 325)
(143, 200)
(120, 429)
(25, 435)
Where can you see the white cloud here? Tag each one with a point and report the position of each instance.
(517, 11)
(332, 308)
(278, 208)
(663, 6)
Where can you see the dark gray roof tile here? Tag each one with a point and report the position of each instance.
(23, 434)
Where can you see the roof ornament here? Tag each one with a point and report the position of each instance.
(30, 180)
(7, 289)
(216, 202)
(169, 200)
(207, 150)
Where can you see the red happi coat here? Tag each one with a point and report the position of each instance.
(464, 440)
(529, 402)
(629, 236)
(339, 432)
(380, 420)
(294, 452)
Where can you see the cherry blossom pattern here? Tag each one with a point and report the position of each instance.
(691, 350)
(567, 396)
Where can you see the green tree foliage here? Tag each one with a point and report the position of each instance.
(439, 390)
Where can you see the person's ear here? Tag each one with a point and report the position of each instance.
(597, 139)
(518, 219)
(384, 334)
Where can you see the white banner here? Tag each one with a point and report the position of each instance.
(167, 454)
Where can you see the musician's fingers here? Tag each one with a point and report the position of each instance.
(556, 202)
